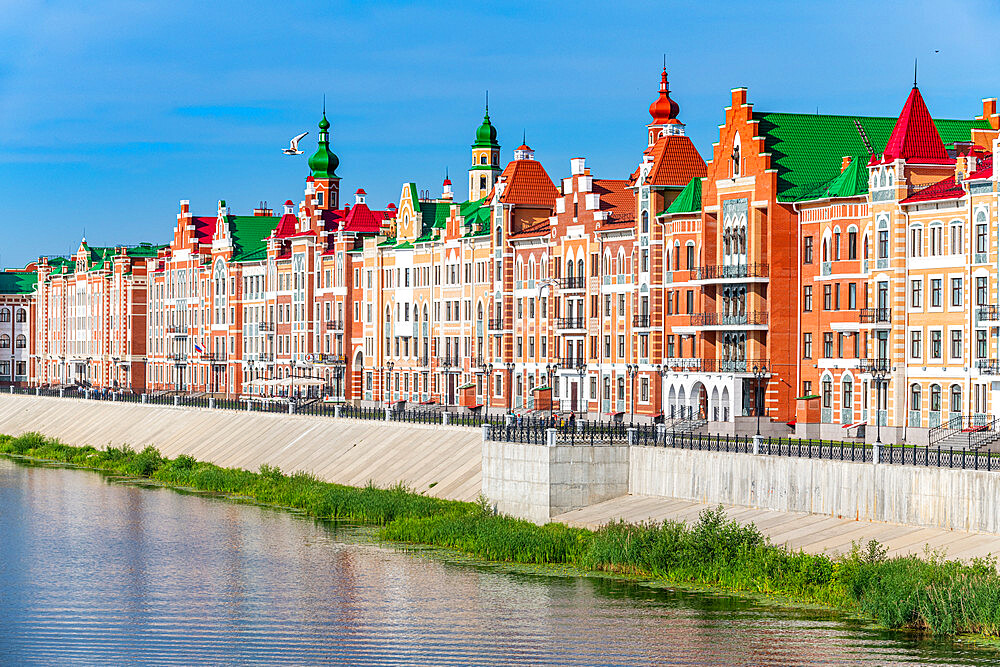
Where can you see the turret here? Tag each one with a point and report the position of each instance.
(324, 163)
(485, 159)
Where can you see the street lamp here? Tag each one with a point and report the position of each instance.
(879, 369)
(759, 373)
(550, 369)
(488, 373)
(632, 370)
(445, 366)
(250, 367)
(510, 384)
(388, 372)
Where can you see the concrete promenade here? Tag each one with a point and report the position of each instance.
(442, 461)
(812, 533)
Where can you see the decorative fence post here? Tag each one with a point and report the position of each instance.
(388, 412)
(445, 418)
(142, 399)
(550, 437)
(486, 432)
(876, 453)
(177, 400)
(38, 391)
(632, 433)
(756, 444)
(62, 393)
(291, 407)
(661, 433)
(336, 411)
(211, 402)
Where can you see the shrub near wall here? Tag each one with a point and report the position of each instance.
(942, 596)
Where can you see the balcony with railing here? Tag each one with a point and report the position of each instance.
(721, 272)
(572, 282)
(571, 323)
(988, 313)
(875, 315)
(449, 363)
(265, 326)
(265, 357)
(423, 361)
(495, 324)
(213, 358)
(572, 363)
(337, 359)
(988, 366)
(709, 320)
(335, 325)
(640, 321)
(177, 331)
(177, 357)
(877, 366)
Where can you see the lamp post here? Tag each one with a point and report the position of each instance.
(759, 373)
(632, 370)
(445, 366)
(385, 389)
(550, 369)
(581, 369)
(250, 367)
(879, 368)
(488, 374)
(510, 384)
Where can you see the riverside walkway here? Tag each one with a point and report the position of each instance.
(812, 533)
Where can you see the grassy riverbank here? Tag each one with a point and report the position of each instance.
(945, 597)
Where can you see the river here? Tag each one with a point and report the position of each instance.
(94, 571)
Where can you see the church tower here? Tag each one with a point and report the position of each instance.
(664, 112)
(485, 159)
(323, 164)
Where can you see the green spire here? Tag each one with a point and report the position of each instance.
(324, 162)
(486, 135)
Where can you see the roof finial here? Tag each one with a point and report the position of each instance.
(524, 135)
(446, 174)
(664, 62)
(914, 72)
(487, 103)
(324, 104)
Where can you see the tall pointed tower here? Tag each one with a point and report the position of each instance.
(485, 159)
(323, 164)
(664, 112)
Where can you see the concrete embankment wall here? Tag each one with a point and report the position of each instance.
(953, 499)
(537, 482)
(442, 461)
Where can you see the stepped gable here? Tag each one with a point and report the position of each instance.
(675, 161)
(204, 228)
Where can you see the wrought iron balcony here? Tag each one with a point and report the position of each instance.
(447, 362)
(571, 323)
(878, 366)
(988, 366)
(990, 313)
(572, 282)
(641, 321)
(730, 271)
(875, 315)
(335, 325)
(495, 324)
(265, 326)
(752, 318)
(573, 363)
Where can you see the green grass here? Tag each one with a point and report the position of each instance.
(928, 593)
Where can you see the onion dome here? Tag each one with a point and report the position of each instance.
(486, 135)
(664, 110)
(324, 162)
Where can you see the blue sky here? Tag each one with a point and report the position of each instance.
(113, 111)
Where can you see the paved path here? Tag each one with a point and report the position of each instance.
(809, 532)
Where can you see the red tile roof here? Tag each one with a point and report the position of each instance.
(286, 226)
(362, 220)
(538, 229)
(984, 170)
(675, 161)
(943, 189)
(616, 198)
(915, 137)
(528, 184)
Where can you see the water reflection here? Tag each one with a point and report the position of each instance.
(93, 572)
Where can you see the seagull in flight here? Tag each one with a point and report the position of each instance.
(293, 145)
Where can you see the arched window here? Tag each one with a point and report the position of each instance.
(482, 159)
(645, 222)
(4, 314)
(915, 397)
(935, 398)
(22, 315)
(569, 268)
(621, 389)
(579, 268)
(827, 391)
(956, 399)
(496, 236)
(883, 239)
(22, 342)
(5, 340)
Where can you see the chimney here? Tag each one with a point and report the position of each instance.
(990, 113)
(577, 166)
(845, 162)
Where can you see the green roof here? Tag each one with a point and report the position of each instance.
(18, 282)
(852, 182)
(435, 213)
(486, 135)
(807, 149)
(689, 199)
(144, 250)
(248, 233)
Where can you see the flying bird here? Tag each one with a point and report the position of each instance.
(293, 145)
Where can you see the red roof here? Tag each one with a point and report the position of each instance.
(675, 161)
(362, 220)
(985, 169)
(915, 138)
(537, 229)
(616, 198)
(204, 228)
(943, 189)
(286, 226)
(664, 110)
(528, 184)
